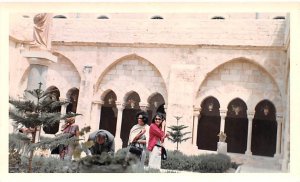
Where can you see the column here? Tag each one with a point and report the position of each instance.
(144, 107)
(39, 61)
(63, 110)
(96, 115)
(165, 108)
(84, 104)
(118, 140)
(195, 126)
(249, 136)
(278, 140)
(223, 115)
(286, 146)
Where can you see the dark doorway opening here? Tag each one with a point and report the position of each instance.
(264, 129)
(54, 96)
(236, 126)
(109, 113)
(209, 124)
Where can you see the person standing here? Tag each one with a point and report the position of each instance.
(73, 129)
(156, 139)
(139, 135)
(103, 140)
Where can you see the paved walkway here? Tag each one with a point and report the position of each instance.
(251, 169)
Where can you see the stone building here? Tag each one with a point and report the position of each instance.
(219, 72)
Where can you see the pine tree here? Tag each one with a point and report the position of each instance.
(176, 134)
(35, 111)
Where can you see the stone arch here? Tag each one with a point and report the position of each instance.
(60, 55)
(109, 112)
(132, 57)
(236, 126)
(24, 78)
(264, 129)
(130, 73)
(209, 124)
(245, 79)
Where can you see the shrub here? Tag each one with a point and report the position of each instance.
(214, 163)
(209, 163)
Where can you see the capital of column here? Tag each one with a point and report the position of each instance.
(120, 106)
(279, 118)
(223, 112)
(144, 106)
(62, 99)
(196, 112)
(165, 107)
(250, 115)
(41, 57)
(99, 102)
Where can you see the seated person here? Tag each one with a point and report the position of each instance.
(103, 142)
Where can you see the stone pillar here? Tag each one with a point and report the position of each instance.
(286, 146)
(196, 114)
(143, 107)
(195, 126)
(84, 105)
(165, 107)
(63, 110)
(278, 139)
(249, 136)
(223, 116)
(39, 61)
(96, 115)
(118, 140)
(181, 99)
(222, 148)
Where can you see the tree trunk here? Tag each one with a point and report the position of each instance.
(31, 152)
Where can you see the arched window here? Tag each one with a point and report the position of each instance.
(236, 126)
(102, 17)
(209, 124)
(109, 113)
(279, 18)
(60, 16)
(157, 17)
(218, 18)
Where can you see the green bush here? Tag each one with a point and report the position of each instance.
(209, 163)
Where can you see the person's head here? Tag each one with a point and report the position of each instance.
(70, 120)
(142, 118)
(101, 138)
(158, 119)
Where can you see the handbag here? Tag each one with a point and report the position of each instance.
(134, 149)
(163, 153)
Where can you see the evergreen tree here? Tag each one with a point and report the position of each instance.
(35, 111)
(176, 134)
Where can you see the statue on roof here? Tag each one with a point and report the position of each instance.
(41, 36)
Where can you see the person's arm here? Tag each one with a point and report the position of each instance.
(156, 131)
(136, 138)
(111, 147)
(163, 124)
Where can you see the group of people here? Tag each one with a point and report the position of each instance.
(147, 138)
